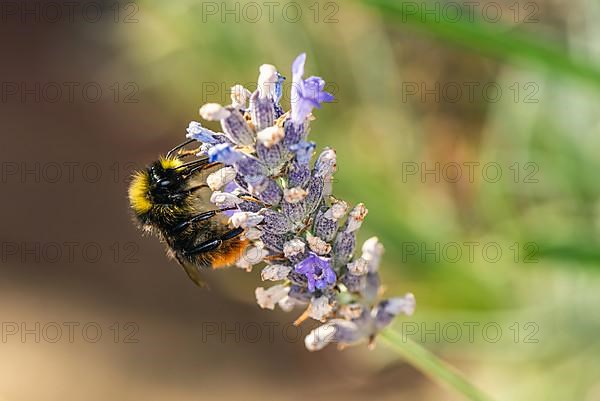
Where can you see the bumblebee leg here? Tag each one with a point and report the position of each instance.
(204, 247)
(183, 194)
(200, 217)
(232, 233)
(213, 244)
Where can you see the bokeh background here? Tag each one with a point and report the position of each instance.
(423, 94)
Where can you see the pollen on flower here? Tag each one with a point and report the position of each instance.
(317, 245)
(270, 136)
(294, 195)
(359, 267)
(225, 199)
(357, 216)
(267, 299)
(239, 96)
(220, 178)
(293, 247)
(275, 272)
(245, 219)
(337, 210)
(214, 112)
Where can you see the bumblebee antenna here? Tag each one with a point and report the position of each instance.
(194, 163)
(176, 148)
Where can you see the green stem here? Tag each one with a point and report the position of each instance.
(431, 365)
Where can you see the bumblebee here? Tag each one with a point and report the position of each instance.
(170, 199)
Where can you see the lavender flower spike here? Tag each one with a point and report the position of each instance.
(306, 93)
(282, 199)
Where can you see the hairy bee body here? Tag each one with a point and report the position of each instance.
(170, 199)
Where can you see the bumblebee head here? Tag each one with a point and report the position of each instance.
(159, 184)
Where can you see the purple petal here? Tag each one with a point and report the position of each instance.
(343, 247)
(262, 111)
(298, 66)
(317, 270)
(272, 157)
(315, 194)
(325, 228)
(295, 212)
(236, 127)
(269, 192)
(249, 206)
(306, 94)
(311, 283)
(300, 293)
(279, 88)
(196, 131)
(304, 151)
(275, 222)
(224, 153)
(330, 276)
(273, 242)
(294, 132)
(251, 169)
(353, 283)
(298, 175)
(304, 267)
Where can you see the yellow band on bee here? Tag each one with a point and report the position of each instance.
(170, 163)
(138, 193)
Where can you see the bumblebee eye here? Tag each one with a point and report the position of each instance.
(164, 183)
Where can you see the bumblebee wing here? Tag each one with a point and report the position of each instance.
(192, 272)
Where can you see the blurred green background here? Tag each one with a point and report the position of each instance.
(507, 88)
